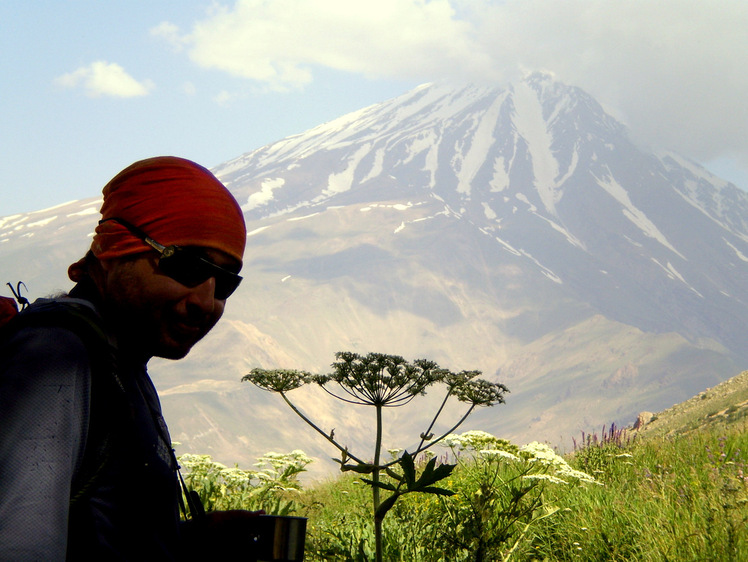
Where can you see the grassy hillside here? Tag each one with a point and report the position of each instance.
(718, 407)
(678, 490)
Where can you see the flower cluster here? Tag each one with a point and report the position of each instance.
(481, 392)
(282, 468)
(492, 454)
(479, 441)
(544, 463)
(220, 487)
(559, 470)
(278, 380)
(380, 379)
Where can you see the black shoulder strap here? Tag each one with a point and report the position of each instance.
(107, 389)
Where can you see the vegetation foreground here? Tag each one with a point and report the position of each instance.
(683, 497)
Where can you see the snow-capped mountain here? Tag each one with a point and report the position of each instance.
(514, 230)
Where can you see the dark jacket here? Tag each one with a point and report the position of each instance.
(86, 466)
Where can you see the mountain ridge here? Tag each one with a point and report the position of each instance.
(722, 405)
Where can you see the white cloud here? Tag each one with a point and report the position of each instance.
(170, 33)
(102, 78)
(673, 70)
(225, 98)
(279, 43)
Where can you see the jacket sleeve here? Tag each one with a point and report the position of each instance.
(44, 399)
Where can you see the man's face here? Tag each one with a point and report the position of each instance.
(154, 315)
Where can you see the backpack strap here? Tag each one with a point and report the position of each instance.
(107, 390)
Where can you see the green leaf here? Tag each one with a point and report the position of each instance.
(426, 476)
(409, 469)
(394, 475)
(359, 468)
(385, 485)
(432, 475)
(442, 471)
(437, 491)
(385, 506)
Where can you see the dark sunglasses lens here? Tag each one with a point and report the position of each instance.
(188, 270)
(191, 270)
(226, 284)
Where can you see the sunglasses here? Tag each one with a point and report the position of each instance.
(186, 266)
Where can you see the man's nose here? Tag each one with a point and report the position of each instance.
(204, 295)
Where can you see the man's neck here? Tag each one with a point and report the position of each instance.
(86, 289)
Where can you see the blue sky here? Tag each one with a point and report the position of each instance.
(87, 87)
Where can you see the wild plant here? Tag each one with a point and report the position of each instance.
(501, 495)
(273, 487)
(386, 381)
(680, 497)
(597, 454)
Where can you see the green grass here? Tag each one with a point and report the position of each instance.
(679, 499)
(682, 497)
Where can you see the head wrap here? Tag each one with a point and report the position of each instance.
(172, 200)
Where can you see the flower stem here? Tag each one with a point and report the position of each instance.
(375, 487)
(322, 433)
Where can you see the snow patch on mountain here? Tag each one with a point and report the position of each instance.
(19, 224)
(305, 217)
(631, 212)
(257, 231)
(422, 142)
(673, 274)
(508, 247)
(89, 210)
(377, 165)
(572, 166)
(712, 196)
(265, 195)
(12, 222)
(522, 197)
(530, 124)
(737, 252)
(543, 269)
(699, 172)
(573, 240)
(500, 179)
(396, 206)
(431, 162)
(522, 253)
(488, 212)
(41, 222)
(343, 181)
(468, 163)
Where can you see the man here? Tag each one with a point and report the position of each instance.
(86, 465)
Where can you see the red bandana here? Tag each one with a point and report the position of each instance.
(172, 200)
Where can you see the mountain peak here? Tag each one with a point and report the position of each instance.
(536, 167)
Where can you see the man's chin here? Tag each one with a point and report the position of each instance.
(173, 354)
(174, 349)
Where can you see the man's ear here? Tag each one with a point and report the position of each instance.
(97, 270)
